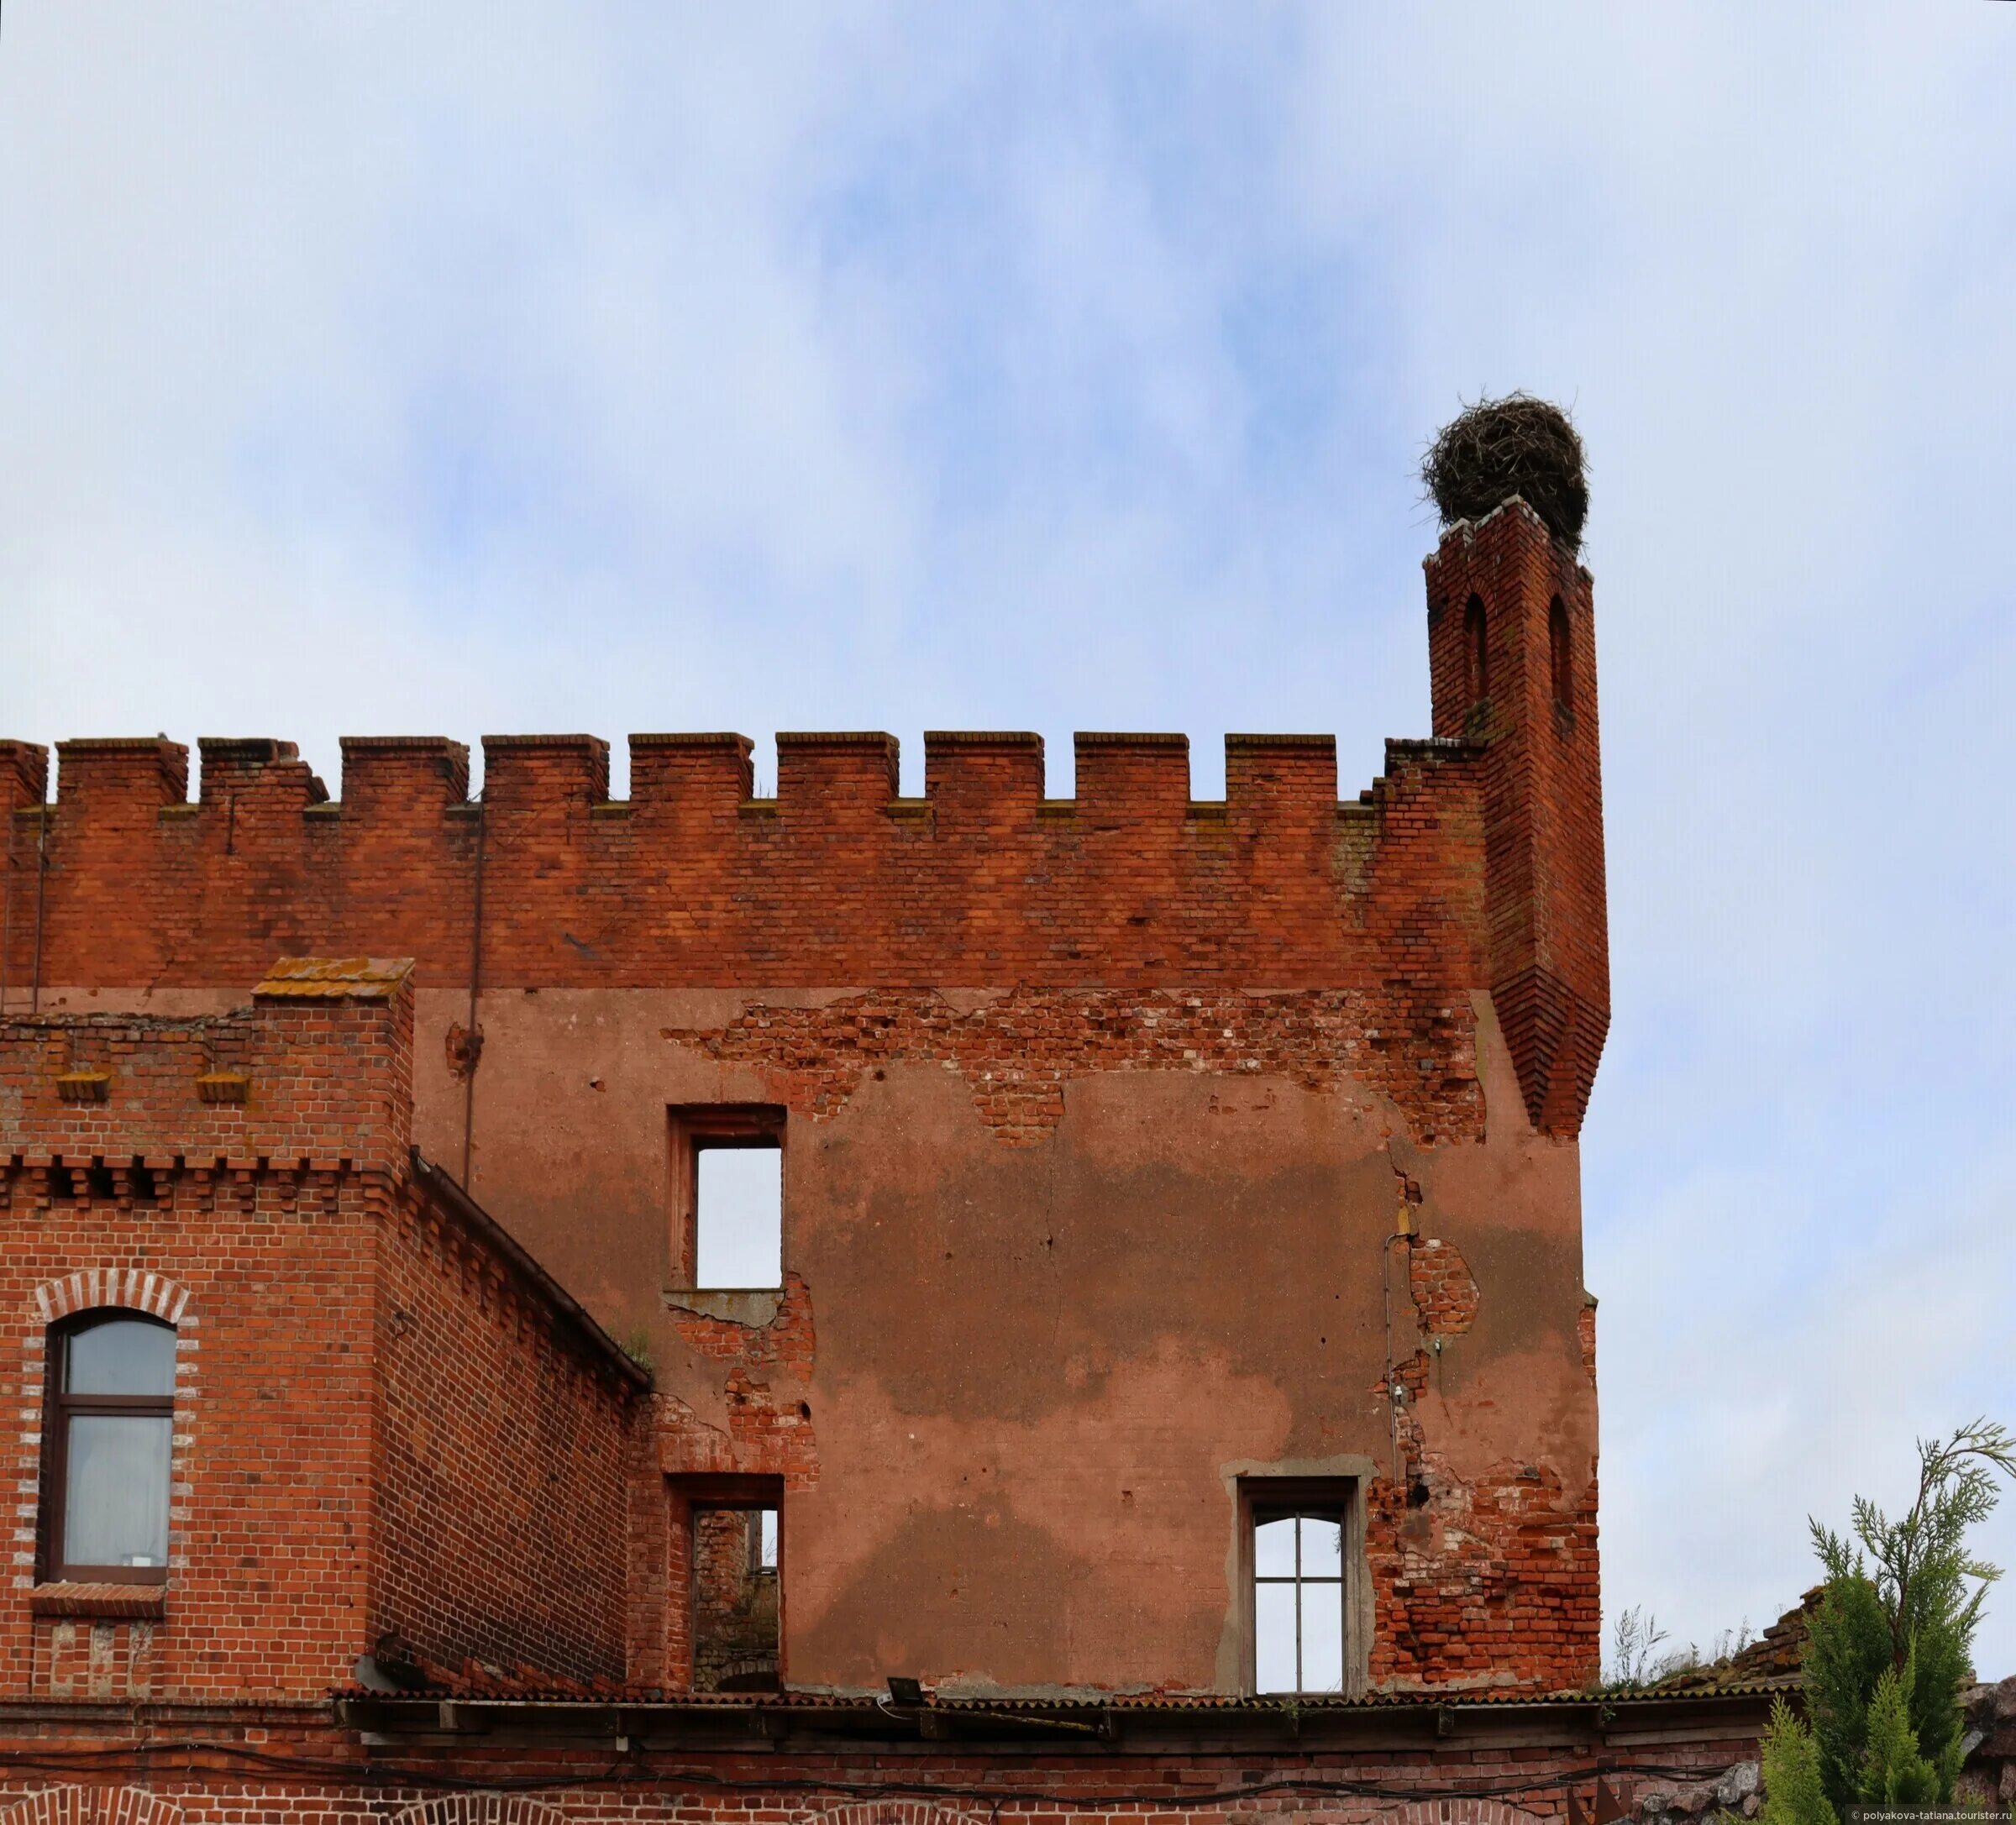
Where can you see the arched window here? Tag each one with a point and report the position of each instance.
(1560, 655)
(1476, 647)
(113, 1418)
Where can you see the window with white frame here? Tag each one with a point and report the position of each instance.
(1300, 1612)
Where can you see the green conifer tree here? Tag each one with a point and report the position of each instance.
(1894, 1772)
(1901, 1606)
(1794, 1793)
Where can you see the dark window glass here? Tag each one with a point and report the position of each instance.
(110, 1446)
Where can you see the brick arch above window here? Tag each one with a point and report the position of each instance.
(1457, 1812)
(139, 1289)
(90, 1806)
(481, 1809)
(890, 1812)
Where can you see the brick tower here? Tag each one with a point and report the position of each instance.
(1512, 657)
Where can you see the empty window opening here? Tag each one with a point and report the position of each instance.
(1299, 1601)
(1478, 646)
(108, 1449)
(1560, 655)
(735, 1609)
(727, 1175)
(739, 1207)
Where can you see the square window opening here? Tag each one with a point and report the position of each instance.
(738, 1216)
(728, 1180)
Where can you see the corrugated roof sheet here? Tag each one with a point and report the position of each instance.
(505, 1691)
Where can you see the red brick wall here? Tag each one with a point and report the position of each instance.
(500, 1497)
(379, 1421)
(834, 881)
(267, 1277)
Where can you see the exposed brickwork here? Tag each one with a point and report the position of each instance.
(787, 1341)
(374, 1405)
(1483, 1580)
(687, 882)
(1444, 1295)
(1018, 1053)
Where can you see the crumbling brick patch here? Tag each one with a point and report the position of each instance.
(787, 1341)
(1445, 1294)
(1018, 1053)
(1486, 1581)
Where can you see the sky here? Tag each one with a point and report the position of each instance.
(369, 368)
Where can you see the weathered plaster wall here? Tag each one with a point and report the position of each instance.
(1014, 1361)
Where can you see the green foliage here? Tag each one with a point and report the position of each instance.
(1893, 1771)
(1890, 1646)
(1794, 1794)
(1847, 1651)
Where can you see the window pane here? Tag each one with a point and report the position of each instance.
(1322, 1548)
(740, 1217)
(115, 1503)
(766, 1549)
(125, 1356)
(1322, 1636)
(1274, 1637)
(1274, 1550)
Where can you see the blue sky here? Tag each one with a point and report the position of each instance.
(367, 368)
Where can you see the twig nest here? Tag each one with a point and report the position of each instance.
(1499, 447)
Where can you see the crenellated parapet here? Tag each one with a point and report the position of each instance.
(693, 881)
(1475, 862)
